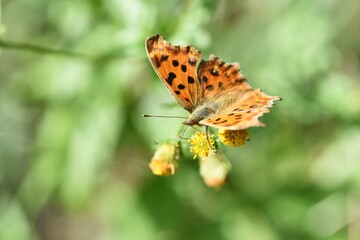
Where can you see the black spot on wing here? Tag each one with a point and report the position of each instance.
(241, 80)
(210, 87)
(157, 62)
(176, 50)
(191, 80)
(164, 58)
(192, 61)
(204, 79)
(171, 78)
(214, 72)
(183, 68)
(181, 86)
(150, 42)
(228, 67)
(220, 85)
(223, 121)
(175, 63)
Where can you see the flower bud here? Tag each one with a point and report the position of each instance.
(164, 163)
(214, 169)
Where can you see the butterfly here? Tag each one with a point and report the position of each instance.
(215, 93)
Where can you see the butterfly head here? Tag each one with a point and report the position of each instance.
(192, 120)
(198, 114)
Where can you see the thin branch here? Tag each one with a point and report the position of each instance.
(42, 50)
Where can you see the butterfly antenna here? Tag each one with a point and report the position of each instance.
(162, 116)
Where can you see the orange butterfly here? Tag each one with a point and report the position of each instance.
(214, 92)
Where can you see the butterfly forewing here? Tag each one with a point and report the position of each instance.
(243, 113)
(176, 66)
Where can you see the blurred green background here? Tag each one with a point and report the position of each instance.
(74, 149)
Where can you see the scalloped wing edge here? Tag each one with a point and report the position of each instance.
(253, 122)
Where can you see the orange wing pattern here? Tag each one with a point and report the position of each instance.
(243, 113)
(176, 66)
(215, 76)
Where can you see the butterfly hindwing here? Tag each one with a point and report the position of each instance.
(176, 66)
(243, 113)
(215, 76)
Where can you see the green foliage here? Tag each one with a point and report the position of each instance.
(74, 149)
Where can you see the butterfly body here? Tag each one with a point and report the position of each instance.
(199, 114)
(214, 92)
(211, 106)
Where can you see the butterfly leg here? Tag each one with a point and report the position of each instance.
(181, 135)
(207, 139)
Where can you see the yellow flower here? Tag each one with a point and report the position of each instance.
(214, 169)
(233, 138)
(202, 145)
(163, 163)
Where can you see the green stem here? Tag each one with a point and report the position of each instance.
(42, 50)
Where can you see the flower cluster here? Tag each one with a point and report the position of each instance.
(233, 138)
(214, 167)
(201, 144)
